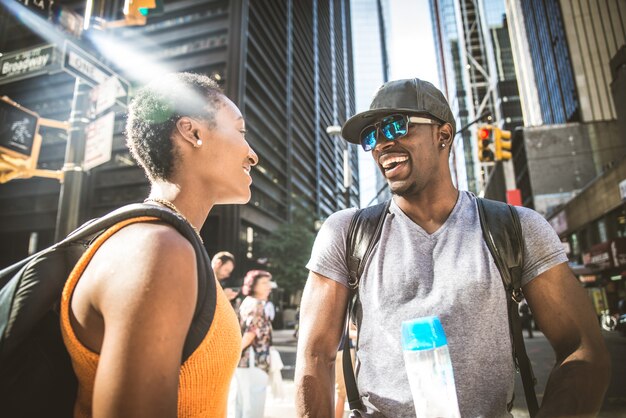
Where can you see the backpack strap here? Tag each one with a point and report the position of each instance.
(363, 234)
(11, 283)
(502, 232)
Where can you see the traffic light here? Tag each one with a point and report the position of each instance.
(485, 136)
(136, 11)
(503, 145)
(20, 142)
(18, 129)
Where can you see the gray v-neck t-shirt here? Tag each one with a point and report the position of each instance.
(449, 273)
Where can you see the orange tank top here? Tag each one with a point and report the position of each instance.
(205, 376)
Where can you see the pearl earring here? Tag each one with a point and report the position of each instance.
(198, 143)
(443, 145)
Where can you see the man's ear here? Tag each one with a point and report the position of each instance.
(187, 129)
(446, 135)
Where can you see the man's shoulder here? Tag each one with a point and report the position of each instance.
(530, 217)
(339, 220)
(526, 215)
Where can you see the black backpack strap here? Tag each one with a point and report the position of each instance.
(207, 292)
(363, 234)
(502, 232)
(352, 390)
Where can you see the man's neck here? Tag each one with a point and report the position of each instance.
(429, 209)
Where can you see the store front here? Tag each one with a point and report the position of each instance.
(605, 266)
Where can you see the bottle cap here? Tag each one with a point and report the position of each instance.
(422, 334)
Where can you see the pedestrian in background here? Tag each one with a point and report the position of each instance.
(223, 264)
(252, 375)
(128, 305)
(432, 259)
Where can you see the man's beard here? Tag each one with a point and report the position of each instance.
(405, 190)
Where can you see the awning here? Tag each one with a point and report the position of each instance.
(607, 255)
(581, 270)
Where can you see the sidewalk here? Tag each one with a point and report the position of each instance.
(539, 351)
(284, 407)
(281, 407)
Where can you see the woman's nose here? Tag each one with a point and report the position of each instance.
(252, 157)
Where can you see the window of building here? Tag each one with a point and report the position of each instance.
(602, 234)
(575, 245)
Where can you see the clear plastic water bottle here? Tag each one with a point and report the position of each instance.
(429, 368)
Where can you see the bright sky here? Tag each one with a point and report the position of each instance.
(411, 51)
(411, 45)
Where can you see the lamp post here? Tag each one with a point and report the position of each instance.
(335, 132)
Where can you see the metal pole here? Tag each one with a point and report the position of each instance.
(69, 201)
(347, 174)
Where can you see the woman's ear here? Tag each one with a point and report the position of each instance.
(187, 130)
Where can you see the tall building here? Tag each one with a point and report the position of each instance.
(568, 56)
(477, 72)
(371, 59)
(288, 66)
(453, 81)
(552, 90)
(562, 52)
(570, 44)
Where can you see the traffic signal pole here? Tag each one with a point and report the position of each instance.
(509, 175)
(73, 174)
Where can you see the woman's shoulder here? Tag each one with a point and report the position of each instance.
(144, 258)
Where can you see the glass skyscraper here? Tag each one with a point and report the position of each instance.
(453, 81)
(551, 61)
(371, 71)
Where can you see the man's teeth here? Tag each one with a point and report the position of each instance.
(393, 161)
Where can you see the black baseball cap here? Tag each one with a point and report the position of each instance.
(410, 96)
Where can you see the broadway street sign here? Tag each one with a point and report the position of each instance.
(18, 65)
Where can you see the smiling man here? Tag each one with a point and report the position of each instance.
(431, 259)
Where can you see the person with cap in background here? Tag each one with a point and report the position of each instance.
(431, 259)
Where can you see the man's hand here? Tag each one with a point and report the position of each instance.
(322, 309)
(564, 314)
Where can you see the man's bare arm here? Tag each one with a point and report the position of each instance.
(577, 383)
(322, 313)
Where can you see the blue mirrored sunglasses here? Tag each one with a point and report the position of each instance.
(392, 127)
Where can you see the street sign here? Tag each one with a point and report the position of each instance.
(99, 140)
(18, 128)
(80, 64)
(41, 7)
(103, 96)
(29, 63)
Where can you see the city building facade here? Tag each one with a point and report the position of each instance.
(477, 72)
(371, 59)
(562, 53)
(288, 66)
(568, 57)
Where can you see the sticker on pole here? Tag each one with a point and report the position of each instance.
(104, 96)
(99, 142)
